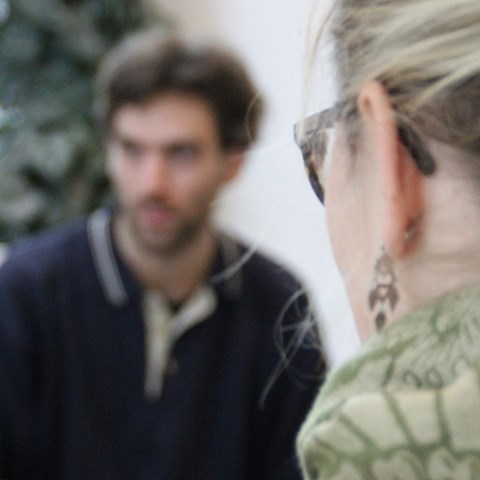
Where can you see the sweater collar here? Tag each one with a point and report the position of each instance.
(120, 287)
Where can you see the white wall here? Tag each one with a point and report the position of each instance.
(271, 204)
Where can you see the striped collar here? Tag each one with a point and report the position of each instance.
(226, 274)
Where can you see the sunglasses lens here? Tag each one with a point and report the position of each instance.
(315, 137)
(314, 182)
(319, 160)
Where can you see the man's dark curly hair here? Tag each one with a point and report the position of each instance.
(150, 63)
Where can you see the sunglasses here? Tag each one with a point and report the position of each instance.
(314, 135)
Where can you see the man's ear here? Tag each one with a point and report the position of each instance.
(235, 160)
(401, 183)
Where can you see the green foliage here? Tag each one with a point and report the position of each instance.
(51, 165)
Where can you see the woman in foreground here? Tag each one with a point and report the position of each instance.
(397, 163)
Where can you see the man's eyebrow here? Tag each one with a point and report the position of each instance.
(124, 139)
(115, 133)
(176, 143)
(170, 144)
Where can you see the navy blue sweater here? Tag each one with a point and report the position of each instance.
(72, 368)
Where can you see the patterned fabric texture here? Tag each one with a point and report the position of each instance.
(407, 407)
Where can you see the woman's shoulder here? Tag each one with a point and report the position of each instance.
(416, 434)
(412, 386)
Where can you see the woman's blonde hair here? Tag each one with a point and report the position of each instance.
(424, 52)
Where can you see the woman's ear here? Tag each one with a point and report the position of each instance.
(401, 183)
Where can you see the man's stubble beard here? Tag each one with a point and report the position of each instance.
(171, 243)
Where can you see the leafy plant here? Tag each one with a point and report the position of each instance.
(51, 166)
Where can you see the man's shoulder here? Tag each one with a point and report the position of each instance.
(46, 250)
(260, 266)
(266, 283)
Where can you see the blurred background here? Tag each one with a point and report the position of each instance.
(51, 166)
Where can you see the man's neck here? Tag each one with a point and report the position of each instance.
(174, 275)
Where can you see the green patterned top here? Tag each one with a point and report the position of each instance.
(407, 407)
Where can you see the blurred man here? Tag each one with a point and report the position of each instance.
(140, 343)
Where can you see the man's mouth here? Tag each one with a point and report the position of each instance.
(156, 215)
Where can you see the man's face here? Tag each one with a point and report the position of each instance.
(166, 165)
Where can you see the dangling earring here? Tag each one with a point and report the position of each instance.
(383, 289)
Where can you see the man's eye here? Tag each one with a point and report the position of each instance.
(132, 150)
(183, 153)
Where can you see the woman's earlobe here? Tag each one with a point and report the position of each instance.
(403, 195)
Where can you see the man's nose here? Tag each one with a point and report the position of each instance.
(156, 176)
